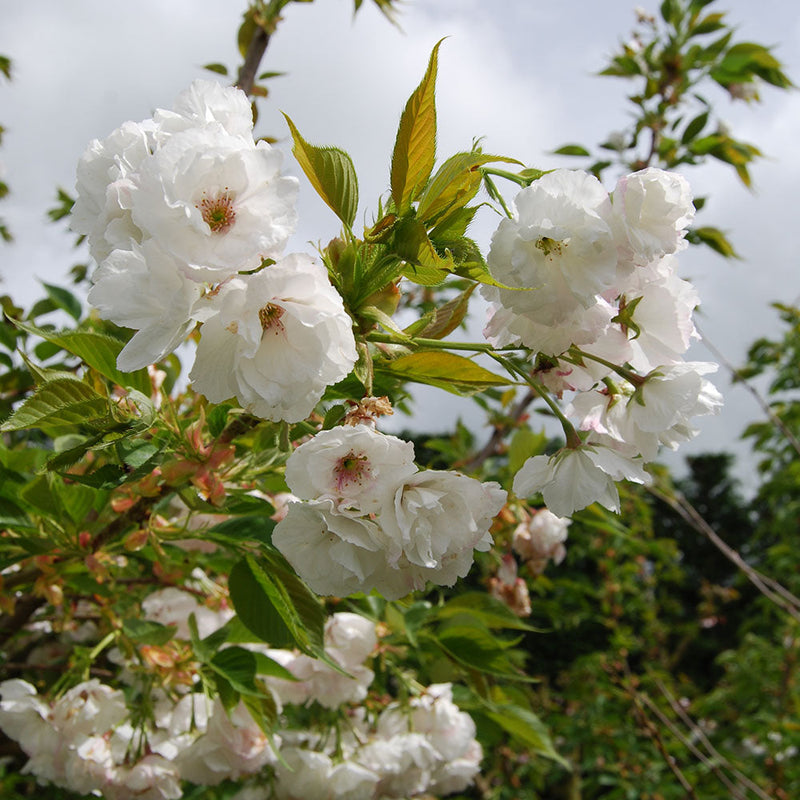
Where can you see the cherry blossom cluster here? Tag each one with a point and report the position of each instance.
(180, 212)
(592, 290)
(370, 519)
(89, 740)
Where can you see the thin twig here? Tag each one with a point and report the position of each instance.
(713, 752)
(764, 405)
(770, 588)
(670, 725)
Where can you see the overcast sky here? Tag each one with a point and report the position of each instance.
(518, 72)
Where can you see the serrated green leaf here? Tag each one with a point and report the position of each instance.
(414, 152)
(331, 173)
(447, 371)
(455, 183)
(527, 729)
(97, 350)
(476, 648)
(276, 606)
(146, 631)
(64, 300)
(423, 264)
(238, 667)
(64, 401)
(237, 531)
(483, 608)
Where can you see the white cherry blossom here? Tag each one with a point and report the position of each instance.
(353, 465)
(274, 340)
(143, 288)
(215, 201)
(573, 478)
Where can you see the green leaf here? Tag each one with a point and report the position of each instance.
(445, 370)
(276, 606)
(237, 531)
(694, 127)
(331, 173)
(709, 24)
(713, 238)
(64, 401)
(485, 609)
(220, 69)
(524, 444)
(455, 183)
(476, 648)
(217, 418)
(238, 667)
(97, 350)
(414, 152)
(146, 631)
(64, 300)
(423, 264)
(571, 150)
(527, 729)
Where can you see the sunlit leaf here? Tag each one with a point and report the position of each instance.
(415, 147)
(445, 370)
(331, 173)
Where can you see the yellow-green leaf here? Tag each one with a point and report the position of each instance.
(331, 173)
(423, 264)
(415, 147)
(455, 183)
(445, 370)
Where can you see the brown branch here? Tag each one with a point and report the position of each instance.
(255, 52)
(24, 609)
(499, 432)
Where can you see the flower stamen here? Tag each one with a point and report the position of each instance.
(351, 469)
(218, 211)
(270, 318)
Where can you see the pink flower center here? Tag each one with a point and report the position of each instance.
(270, 318)
(218, 211)
(351, 469)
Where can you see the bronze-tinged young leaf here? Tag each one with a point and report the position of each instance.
(415, 146)
(447, 371)
(455, 183)
(444, 320)
(331, 173)
(60, 402)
